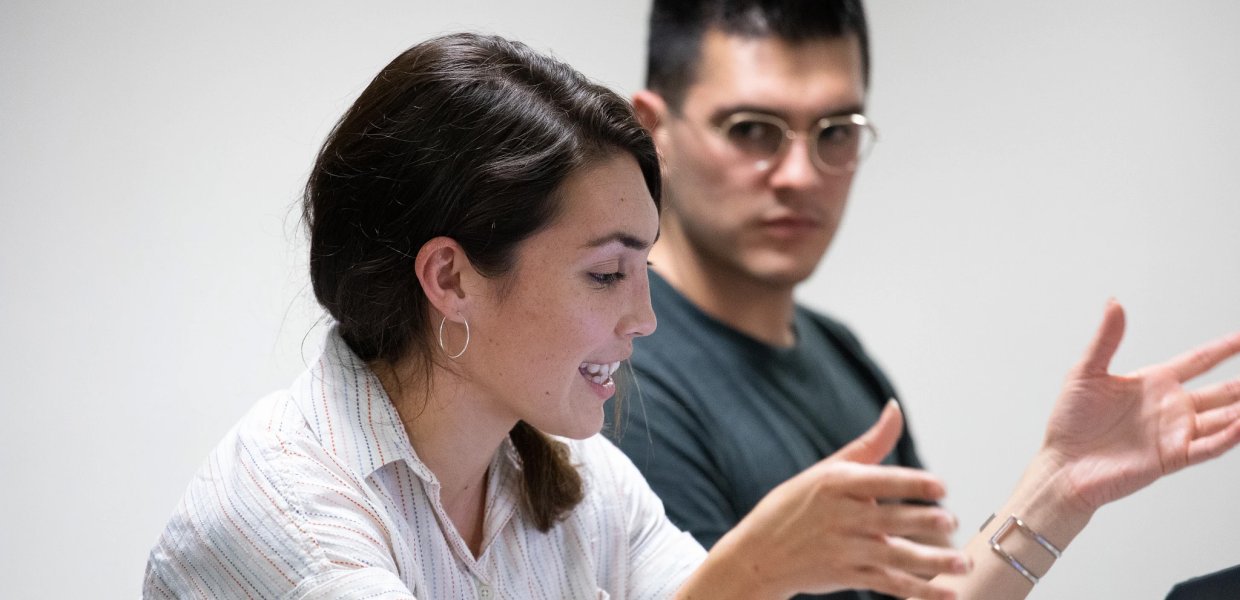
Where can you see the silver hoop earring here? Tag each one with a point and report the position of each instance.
(463, 348)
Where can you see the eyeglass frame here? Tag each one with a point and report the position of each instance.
(810, 135)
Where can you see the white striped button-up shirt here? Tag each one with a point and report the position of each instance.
(317, 493)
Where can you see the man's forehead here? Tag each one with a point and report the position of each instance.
(816, 77)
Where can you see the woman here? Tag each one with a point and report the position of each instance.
(479, 224)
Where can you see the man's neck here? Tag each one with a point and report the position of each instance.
(755, 308)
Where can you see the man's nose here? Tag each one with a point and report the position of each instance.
(796, 168)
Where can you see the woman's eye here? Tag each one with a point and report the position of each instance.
(606, 279)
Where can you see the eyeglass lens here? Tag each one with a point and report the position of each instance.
(837, 145)
(759, 139)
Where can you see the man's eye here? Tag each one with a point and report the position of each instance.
(749, 130)
(755, 137)
(838, 134)
(607, 278)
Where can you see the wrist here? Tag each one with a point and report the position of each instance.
(1047, 500)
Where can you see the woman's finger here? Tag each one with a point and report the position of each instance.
(895, 552)
(904, 585)
(1216, 396)
(914, 521)
(878, 441)
(1106, 340)
(1199, 360)
(885, 481)
(1215, 444)
(1213, 421)
(903, 563)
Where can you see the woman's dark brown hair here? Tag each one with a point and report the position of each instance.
(465, 136)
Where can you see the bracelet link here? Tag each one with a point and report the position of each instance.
(1015, 522)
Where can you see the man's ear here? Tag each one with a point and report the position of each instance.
(441, 266)
(650, 108)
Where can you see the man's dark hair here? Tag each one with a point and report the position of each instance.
(677, 27)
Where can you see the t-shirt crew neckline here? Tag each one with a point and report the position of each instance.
(754, 346)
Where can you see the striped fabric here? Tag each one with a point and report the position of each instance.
(317, 493)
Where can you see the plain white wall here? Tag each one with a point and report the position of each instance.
(1035, 160)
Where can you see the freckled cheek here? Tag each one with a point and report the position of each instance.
(545, 334)
(553, 334)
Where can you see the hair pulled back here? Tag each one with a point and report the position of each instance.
(466, 136)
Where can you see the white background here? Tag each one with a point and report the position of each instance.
(1035, 160)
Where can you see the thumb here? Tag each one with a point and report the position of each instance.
(878, 441)
(1097, 359)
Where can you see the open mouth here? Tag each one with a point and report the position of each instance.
(599, 373)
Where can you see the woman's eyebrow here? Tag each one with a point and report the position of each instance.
(627, 239)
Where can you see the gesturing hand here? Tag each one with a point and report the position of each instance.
(1115, 434)
(827, 530)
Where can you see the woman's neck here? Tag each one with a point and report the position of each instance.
(455, 434)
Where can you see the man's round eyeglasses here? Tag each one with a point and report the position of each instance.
(836, 144)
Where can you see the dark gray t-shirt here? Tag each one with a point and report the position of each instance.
(716, 419)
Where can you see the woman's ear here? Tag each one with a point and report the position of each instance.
(650, 108)
(441, 266)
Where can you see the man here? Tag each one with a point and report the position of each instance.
(1220, 585)
(757, 109)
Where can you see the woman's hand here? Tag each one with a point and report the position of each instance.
(1108, 436)
(1115, 434)
(838, 525)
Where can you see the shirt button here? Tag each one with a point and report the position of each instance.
(485, 592)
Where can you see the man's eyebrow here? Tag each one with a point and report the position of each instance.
(627, 239)
(723, 112)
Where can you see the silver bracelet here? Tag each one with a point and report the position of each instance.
(1011, 521)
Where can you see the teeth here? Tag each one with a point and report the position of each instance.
(599, 373)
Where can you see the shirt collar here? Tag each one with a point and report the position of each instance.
(349, 412)
(351, 415)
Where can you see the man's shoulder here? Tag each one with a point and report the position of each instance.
(832, 328)
(825, 321)
(1221, 584)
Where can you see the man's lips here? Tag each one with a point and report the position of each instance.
(791, 223)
